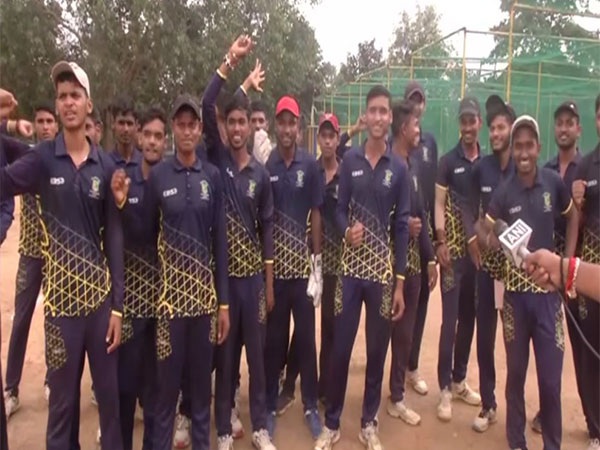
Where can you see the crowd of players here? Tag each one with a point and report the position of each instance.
(161, 269)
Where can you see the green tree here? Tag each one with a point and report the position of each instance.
(367, 58)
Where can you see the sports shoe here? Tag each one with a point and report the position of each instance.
(594, 444)
(369, 437)
(485, 418)
(284, 402)
(313, 421)
(444, 409)
(327, 439)
(399, 410)
(46, 393)
(225, 442)
(11, 403)
(271, 422)
(536, 423)
(463, 392)
(182, 431)
(237, 428)
(416, 382)
(262, 441)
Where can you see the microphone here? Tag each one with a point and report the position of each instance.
(514, 239)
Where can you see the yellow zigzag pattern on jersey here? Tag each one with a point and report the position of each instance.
(245, 258)
(372, 259)
(290, 248)
(494, 263)
(590, 249)
(76, 276)
(142, 284)
(186, 267)
(517, 280)
(413, 258)
(455, 233)
(30, 234)
(332, 249)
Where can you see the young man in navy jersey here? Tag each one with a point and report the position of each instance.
(406, 133)
(125, 126)
(487, 175)
(586, 196)
(297, 197)
(249, 210)
(373, 185)
(538, 197)
(82, 245)
(458, 270)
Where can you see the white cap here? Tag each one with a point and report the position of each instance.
(525, 121)
(71, 67)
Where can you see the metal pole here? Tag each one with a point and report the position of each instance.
(510, 51)
(539, 91)
(464, 65)
(360, 103)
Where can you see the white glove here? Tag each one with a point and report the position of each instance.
(314, 289)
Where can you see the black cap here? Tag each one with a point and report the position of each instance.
(569, 106)
(413, 87)
(469, 105)
(186, 100)
(495, 106)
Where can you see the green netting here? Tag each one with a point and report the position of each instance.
(569, 70)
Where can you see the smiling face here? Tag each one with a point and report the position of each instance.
(72, 104)
(237, 127)
(187, 129)
(286, 130)
(566, 130)
(378, 116)
(500, 133)
(526, 150)
(469, 126)
(153, 141)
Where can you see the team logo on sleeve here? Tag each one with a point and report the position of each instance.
(251, 189)
(300, 178)
(95, 188)
(387, 178)
(547, 202)
(204, 193)
(414, 178)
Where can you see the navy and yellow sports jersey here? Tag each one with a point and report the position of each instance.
(371, 197)
(248, 197)
(297, 189)
(135, 160)
(426, 155)
(332, 239)
(30, 232)
(142, 275)
(82, 240)
(487, 176)
(589, 171)
(561, 226)
(455, 176)
(539, 207)
(187, 205)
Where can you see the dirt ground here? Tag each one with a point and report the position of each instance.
(26, 429)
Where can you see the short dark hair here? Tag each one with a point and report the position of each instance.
(47, 107)
(401, 112)
(95, 116)
(153, 113)
(259, 106)
(597, 102)
(379, 91)
(123, 105)
(237, 102)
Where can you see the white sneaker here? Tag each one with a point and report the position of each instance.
(327, 439)
(182, 432)
(399, 410)
(11, 404)
(262, 441)
(444, 409)
(463, 392)
(594, 444)
(47, 393)
(237, 428)
(225, 442)
(369, 437)
(416, 382)
(483, 421)
(98, 435)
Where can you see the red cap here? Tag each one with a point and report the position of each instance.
(287, 103)
(332, 119)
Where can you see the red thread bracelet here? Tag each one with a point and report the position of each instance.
(571, 274)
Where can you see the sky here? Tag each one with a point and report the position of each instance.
(341, 24)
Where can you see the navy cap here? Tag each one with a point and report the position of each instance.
(469, 105)
(413, 87)
(184, 100)
(495, 106)
(569, 106)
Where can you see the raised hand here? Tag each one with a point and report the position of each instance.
(241, 47)
(119, 184)
(255, 78)
(24, 128)
(8, 103)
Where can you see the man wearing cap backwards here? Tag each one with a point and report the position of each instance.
(29, 272)
(297, 195)
(487, 175)
(426, 155)
(458, 272)
(406, 134)
(372, 209)
(82, 246)
(586, 196)
(538, 197)
(249, 210)
(183, 203)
